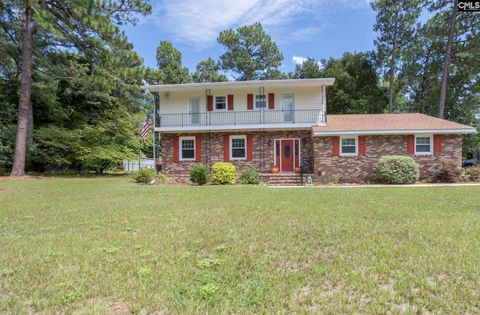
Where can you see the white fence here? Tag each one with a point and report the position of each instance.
(135, 165)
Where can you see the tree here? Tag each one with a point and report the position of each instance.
(395, 23)
(170, 68)
(250, 53)
(89, 28)
(356, 89)
(207, 71)
(309, 69)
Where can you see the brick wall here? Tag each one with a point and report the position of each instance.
(262, 159)
(363, 168)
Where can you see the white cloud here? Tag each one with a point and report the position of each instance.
(198, 23)
(298, 60)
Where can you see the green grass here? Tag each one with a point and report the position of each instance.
(97, 245)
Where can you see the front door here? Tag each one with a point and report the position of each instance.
(195, 110)
(287, 155)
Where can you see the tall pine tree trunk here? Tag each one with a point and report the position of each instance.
(446, 61)
(18, 168)
(392, 85)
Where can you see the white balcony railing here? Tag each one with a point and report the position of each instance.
(249, 117)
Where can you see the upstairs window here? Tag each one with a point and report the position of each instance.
(348, 146)
(187, 148)
(260, 101)
(423, 145)
(238, 147)
(220, 102)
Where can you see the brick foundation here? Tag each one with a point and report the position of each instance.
(362, 169)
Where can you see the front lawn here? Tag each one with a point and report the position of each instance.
(106, 245)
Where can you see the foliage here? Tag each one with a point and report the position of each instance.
(356, 89)
(144, 175)
(471, 174)
(448, 172)
(309, 69)
(250, 53)
(224, 173)
(249, 176)
(207, 71)
(199, 174)
(329, 179)
(395, 25)
(170, 68)
(398, 169)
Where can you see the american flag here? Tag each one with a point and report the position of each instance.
(146, 126)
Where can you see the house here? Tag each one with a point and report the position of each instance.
(284, 123)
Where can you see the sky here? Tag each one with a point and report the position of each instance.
(302, 28)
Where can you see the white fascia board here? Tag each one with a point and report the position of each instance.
(393, 132)
(240, 84)
(303, 126)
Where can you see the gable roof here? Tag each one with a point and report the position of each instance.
(386, 124)
(241, 84)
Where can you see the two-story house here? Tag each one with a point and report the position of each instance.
(283, 125)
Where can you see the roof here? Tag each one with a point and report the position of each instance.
(388, 124)
(241, 84)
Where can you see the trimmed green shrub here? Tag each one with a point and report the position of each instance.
(249, 176)
(199, 174)
(144, 175)
(224, 173)
(398, 169)
(471, 174)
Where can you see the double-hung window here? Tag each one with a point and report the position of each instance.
(348, 146)
(238, 147)
(423, 145)
(260, 101)
(187, 148)
(220, 102)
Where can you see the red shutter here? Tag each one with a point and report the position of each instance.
(249, 101)
(198, 148)
(176, 148)
(226, 148)
(271, 101)
(437, 144)
(230, 102)
(209, 103)
(336, 146)
(361, 145)
(410, 145)
(249, 147)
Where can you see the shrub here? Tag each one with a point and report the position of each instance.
(144, 175)
(224, 173)
(249, 176)
(449, 171)
(398, 169)
(199, 174)
(472, 174)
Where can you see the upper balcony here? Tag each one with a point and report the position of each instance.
(249, 119)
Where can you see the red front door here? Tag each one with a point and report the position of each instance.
(287, 155)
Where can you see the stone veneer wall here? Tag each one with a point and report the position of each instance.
(262, 159)
(363, 168)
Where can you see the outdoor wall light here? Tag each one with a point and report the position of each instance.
(208, 92)
(269, 142)
(304, 141)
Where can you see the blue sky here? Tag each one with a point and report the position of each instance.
(301, 28)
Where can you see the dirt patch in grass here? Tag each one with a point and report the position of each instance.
(119, 307)
(21, 178)
(3, 190)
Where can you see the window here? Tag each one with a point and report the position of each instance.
(260, 101)
(348, 146)
(423, 145)
(220, 102)
(238, 147)
(187, 148)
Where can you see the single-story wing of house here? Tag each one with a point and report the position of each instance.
(283, 126)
